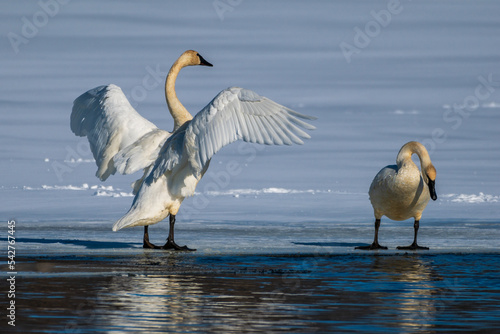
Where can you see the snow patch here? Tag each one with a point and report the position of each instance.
(491, 105)
(107, 191)
(406, 112)
(238, 192)
(78, 161)
(84, 186)
(472, 198)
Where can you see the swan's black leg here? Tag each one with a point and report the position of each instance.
(170, 244)
(146, 243)
(375, 244)
(414, 245)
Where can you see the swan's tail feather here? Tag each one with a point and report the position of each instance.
(151, 205)
(136, 218)
(129, 220)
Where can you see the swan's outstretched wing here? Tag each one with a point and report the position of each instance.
(105, 116)
(235, 113)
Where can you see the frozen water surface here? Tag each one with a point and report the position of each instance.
(276, 238)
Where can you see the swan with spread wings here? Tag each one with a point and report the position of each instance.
(174, 162)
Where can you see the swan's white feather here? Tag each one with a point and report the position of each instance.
(151, 205)
(142, 153)
(234, 114)
(105, 116)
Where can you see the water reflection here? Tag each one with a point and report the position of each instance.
(214, 294)
(153, 302)
(230, 295)
(176, 303)
(280, 294)
(414, 299)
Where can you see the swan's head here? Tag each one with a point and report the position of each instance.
(192, 58)
(430, 172)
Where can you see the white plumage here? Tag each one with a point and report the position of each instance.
(402, 191)
(174, 162)
(231, 116)
(105, 116)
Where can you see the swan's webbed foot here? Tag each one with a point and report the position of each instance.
(148, 245)
(145, 241)
(373, 246)
(413, 246)
(170, 244)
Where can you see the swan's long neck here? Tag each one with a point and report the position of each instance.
(408, 150)
(177, 110)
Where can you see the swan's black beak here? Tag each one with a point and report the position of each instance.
(432, 189)
(203, 61)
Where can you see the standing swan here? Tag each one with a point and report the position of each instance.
(174, 162)
(401, 191)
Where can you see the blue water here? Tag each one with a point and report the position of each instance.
(162, 292)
